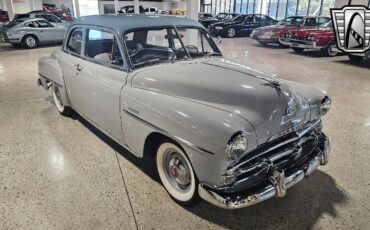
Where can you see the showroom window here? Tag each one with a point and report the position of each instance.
(278, 9)
(314, 7)
(75, 41)
(326, 5)
(302, 7)
(257, 6)
(282, 9)
(292, 8)
(273, 8)
(265, 7)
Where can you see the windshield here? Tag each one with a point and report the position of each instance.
(237, 18)
(326, 25)
(291, 21)
(154, 46)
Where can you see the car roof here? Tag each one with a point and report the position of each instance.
(316, 17)
(124, 22)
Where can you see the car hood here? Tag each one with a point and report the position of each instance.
(270, 106)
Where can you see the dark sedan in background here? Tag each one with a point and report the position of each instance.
(241, 25)
(220, 17)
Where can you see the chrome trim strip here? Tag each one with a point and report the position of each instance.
(262, 195)
(165, 133)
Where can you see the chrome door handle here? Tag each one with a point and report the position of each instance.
(79, 68)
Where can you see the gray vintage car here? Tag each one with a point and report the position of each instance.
(32, 32)
(215, 129)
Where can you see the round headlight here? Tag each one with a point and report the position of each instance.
(325, 105)
(237, 146)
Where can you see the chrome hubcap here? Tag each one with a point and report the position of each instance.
(331, 51)
(30, 41)
(177, 170)
(231, 32)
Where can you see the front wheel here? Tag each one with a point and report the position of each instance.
(298, 50)
(330, 50)
(176, 174)
(62, 109)
(231, 32)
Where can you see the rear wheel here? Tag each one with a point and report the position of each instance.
(231, 32)
(30, 42)
(62, 109)
(176, 174)
(330, 50)
(354, 58)
(298, 50)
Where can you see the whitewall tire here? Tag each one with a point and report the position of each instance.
(176, 174)
(62, 109)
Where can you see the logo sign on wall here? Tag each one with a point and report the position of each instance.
(352, 28)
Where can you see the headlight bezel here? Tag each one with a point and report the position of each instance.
(239, 138)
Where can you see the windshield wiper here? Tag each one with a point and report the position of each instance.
(146, 62)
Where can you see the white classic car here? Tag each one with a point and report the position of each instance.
(215, 129)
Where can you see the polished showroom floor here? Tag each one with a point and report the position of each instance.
(61, 173)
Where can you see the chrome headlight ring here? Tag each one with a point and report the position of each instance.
(325, 105)
(237, 146)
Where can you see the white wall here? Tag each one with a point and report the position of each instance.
(59, 3)
(22, 6)
(165, 5)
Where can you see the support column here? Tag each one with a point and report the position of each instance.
(10, 8)
(36, 4)
(116, 6)
(1, 5)
(76, 8)
(192, 9)
(136, 7)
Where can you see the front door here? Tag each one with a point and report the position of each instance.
(95, 80)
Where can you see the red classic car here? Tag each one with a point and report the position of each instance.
(309, 22)
(270, 34)
(4, 16)
(322, 39)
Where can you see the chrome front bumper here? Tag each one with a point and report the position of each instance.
(277, 188)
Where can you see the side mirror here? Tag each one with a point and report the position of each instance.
(219, 40)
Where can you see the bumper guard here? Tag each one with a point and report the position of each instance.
(277, 188)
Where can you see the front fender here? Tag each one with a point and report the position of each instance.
(203, 131)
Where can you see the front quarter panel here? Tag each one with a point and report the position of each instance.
(202, 131)
(313, 96)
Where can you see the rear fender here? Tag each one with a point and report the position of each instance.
(50, 73)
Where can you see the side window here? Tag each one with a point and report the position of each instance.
(44, 24)
(103, 47)
(74, 44)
